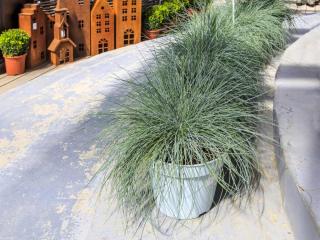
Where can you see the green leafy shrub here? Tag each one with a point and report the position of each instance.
(161, 14)
(198, 102)
(14, 42)
(157, 16)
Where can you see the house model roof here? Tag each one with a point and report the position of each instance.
(55, 44)
(47, 6)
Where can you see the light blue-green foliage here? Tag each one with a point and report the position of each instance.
(199, 101)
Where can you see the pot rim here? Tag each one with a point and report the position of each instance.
(16, 56)
(154, 30)
(185, 171)
(193, 165)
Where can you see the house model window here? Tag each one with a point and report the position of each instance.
(110, 3)
(34, 26)
(63, 33)
(81, 47)
(81, 24)
(128, 37)
(103, 46)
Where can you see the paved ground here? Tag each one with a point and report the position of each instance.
(297, 112)
(9, 82)
(48, 153)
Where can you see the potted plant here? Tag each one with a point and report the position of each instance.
(156, 18)
(14, 45)
(191, 120)
(160, 15)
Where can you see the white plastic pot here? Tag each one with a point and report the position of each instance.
(183, 192)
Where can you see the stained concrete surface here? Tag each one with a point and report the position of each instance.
(48, 153)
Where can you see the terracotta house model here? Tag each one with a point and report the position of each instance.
(77, 28)
(102, 27)
(33, 20)
(79, 22)
(62, 47)
(128, 22)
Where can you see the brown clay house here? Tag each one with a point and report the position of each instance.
(79, 21)
(62, 47)
(33, 20)
(48, 6)
(71, 28)
(128, 22)
(102, 27)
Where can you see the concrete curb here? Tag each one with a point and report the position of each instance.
(297, 118)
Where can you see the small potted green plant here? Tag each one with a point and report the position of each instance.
(160, 15)
(156, 18)
(14, 45)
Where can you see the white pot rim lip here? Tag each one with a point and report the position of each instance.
(191, 166)
(187, 171)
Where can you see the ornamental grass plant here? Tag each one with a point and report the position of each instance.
(198, 102)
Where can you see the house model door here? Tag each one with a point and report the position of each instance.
(64, 56)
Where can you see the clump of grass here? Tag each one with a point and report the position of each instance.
(197, 102)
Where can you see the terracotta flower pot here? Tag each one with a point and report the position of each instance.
(152, 34)
(15, 65)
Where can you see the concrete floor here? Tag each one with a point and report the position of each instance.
(10, 82)
(48, 154)
(297, 113)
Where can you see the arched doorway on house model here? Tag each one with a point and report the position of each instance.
(64, 55)
(128, 37)
(103, 46)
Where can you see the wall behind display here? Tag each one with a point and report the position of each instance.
(9, 12)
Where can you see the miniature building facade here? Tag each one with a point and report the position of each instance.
(33, 20)
(89, 27)
(62, 47)
(79, 21)
(128, 22)
(102, 27)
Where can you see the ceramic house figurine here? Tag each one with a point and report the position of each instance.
(33, 20)
(102, 27)
(79, 22)
(62, 47)
(128, 22)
